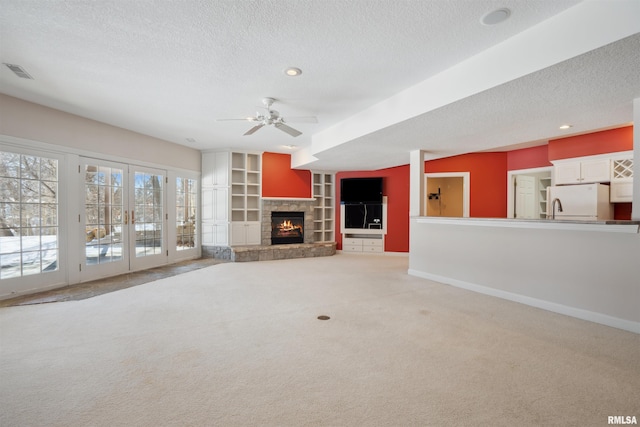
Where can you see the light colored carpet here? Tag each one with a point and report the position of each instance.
(240, 344)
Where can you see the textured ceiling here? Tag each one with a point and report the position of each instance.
(169, 69)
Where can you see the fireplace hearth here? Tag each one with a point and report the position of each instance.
(287, 228)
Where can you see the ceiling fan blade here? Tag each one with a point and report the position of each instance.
(253, 129)
(304, 119)
(244, 119)
(287, 129)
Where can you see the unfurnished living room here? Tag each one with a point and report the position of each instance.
(319, 212)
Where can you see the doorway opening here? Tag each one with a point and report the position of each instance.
(527, 193)
(447, 194)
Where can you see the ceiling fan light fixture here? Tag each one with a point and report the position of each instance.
(293, 71)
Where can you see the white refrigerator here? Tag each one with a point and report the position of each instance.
(584, 202)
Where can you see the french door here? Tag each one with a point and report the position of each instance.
(124, 218)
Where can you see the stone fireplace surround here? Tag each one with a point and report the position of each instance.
(266, 251)
(286, 205)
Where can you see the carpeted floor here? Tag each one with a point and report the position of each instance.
(240, 344)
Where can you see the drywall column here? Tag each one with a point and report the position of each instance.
(416, 184)
(635, 207)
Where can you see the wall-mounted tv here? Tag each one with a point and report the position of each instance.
(360, 190)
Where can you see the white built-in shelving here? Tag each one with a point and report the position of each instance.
(231, 198)
(324, 207)
(543, 184)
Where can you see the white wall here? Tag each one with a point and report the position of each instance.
(30, 121)
(580, 270)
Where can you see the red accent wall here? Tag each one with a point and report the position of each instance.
(606, 141)
(279, 180)
(622, 211)
(488, 171)
(528, 158)
(488, 180)
(396, 187)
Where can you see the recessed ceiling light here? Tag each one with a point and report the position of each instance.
(496, 17)
(563, 127)
(292, 71)
(290, 147)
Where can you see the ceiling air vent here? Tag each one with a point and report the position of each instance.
(19, 71)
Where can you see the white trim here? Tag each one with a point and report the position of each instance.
(590, 316)
(466, 188)
(607, 226)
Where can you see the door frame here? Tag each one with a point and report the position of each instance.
(511, 178)
(466, 191)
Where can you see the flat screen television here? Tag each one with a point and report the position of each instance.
(360, 190)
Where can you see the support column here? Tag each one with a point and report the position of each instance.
(635, 207)
(416, 183)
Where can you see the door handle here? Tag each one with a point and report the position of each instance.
(133, 217)
(126, 217)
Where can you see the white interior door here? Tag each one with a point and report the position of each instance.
(525, 197)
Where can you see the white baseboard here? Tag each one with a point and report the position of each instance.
(579, 313)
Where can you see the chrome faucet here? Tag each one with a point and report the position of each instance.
(553, 207)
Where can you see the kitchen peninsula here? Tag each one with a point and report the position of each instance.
(585, 269)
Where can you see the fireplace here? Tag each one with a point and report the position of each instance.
(287, 228)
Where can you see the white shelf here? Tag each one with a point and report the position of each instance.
(323, 191)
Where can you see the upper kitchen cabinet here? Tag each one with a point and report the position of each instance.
(582, 171)
(622, 179)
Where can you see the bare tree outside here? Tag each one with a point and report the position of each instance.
(28, 214)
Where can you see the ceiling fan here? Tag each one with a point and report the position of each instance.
(273, 118)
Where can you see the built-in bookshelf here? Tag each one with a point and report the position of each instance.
(324, 207)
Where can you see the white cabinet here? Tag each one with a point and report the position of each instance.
(582, 171)
(231, 196)
(370, 243)
(245, 233)
(215, 169)
(621, 180)
(323, 209)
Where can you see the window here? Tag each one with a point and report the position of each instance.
(186, 199)
(104, 214)
(29, 227)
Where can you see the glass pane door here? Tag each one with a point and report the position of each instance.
(105, 218)
(147, 231)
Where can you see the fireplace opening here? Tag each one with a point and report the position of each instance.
(287, 228)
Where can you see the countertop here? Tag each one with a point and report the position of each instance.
(624, 226)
